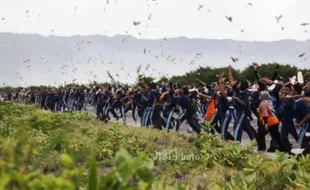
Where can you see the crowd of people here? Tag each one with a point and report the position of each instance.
(267, 105)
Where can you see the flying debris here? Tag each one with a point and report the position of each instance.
(301, 55)
(148, 66)
(234, 59)
(250, 4)
(27, 11)
(3, 18)
(26, 61)
(279, 18)
(198, 55)
(109, 74)
(192, 62)
(138, 69)
(144, 51)
(136, 23)
(150, 17)
(76, 7)
(304, 24)
(200, 7)
(229, 18)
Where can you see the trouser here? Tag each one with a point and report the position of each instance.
(274, 133)
(191, 120)
(55, 109)
(42, 103)
(304, 139)
(145, 121)
(95, 107)
(225, 121)
(170, 120)
(242, 124)
(157, 121)
(99, 110)
(134, 111)
(73, 104)
(52, 105)
(83, 105)
(202, 109)
(115, 104)
(65, 105)
(105, 110)
(216, 118)
(140, 111)
(181, 118)
(123, 114)
(287, 128)
(58, 106)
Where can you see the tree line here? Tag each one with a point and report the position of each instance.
(206, 74)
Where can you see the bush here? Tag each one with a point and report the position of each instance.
(44, 150)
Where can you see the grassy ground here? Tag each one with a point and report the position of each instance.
(43, 150)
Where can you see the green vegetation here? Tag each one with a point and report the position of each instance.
(208, 74)
(44, 150)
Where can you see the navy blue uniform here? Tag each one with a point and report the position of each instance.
(242, 122)
(301, 110)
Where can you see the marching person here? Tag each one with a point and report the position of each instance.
(269, 121)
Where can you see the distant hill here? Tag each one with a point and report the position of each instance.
(42, 60)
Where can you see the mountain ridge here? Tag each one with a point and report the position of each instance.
(29, 57)
(171, 38)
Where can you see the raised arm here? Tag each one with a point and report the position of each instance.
(266, 81)
(221, 83)
(275, 74)
(201, 82)
(231, 77)
(163, 96)
(205, 96)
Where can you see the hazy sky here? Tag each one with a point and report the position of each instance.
(170, 18)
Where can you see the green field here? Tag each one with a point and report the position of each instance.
(44, 150)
